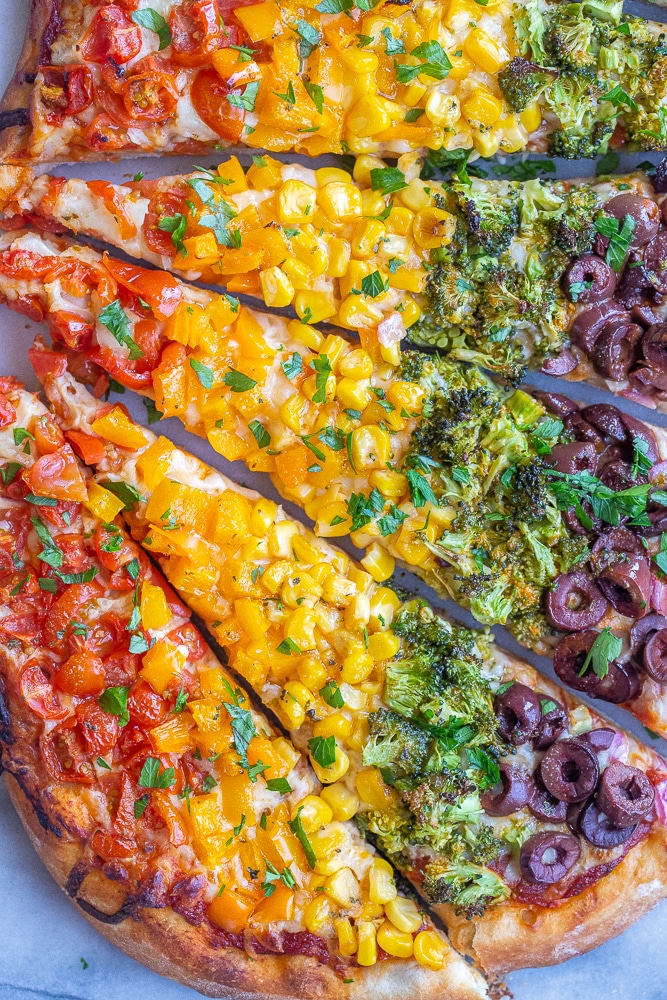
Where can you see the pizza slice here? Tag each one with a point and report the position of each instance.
(126, 78)
(523, 507)
(471, 771)
(181, 821)
(566, 276)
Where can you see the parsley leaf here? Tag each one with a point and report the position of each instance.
(247, 99)
(620, 238)
(322, 366)
(604, 650)
(260, 433)
(362, 509)
(51, 554)
(287, 647)
(152, 777)
(281, 785)
(114, 701)
(238, 382)
(374, 284)
(618, 96)
(391, 522)
(125, 492)
(420, 489)
(310, 38)
(204, 374)
(323, 750)
(115, 319)
(152, 21)
(293, 366)
(392, 46)
(316, 95)
(331, 694)
(436, 63)
(289, 96)
(296, 826)
(388, 180)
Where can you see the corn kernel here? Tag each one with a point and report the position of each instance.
(289, 711)
(372, 203)
(442, 109)
(317, 915)
(367, 952)
(343, 888)
(397, 943)
(430, 950)
(362, 169)
(353, 393)
(411, 313)
(327, 175)
(357, 667)
(371, 448)
(294, 412)
(357, 364)
(513, 134)
(399, 221)
(314, 812)
(404, 914)
(488, 54)
(277, 289)
(306, 334)
(263, 516)
(339, 257)
(432, 227)
(368, 116)
(335, 771)
(312, 673)
(366, 238)
(381, 886)
(359, 61)
(347, 936)
(379, 563)
(298, 274)
(531, 117)
(388, 482)
(383, 645)
(343, 802)
(482, 109)
(391, 354)
(374, 790)
(486, 142)
(336, 724)
(314, 307)
(416, 195)
(340, 200)
(296, 201)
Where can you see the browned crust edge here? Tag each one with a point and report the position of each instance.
(17, 97)
(519, 936)
(162, 939)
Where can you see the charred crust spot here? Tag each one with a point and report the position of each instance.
(33, 798)
(76, 878)
(52, 29)
(13, 117)
(128, 909)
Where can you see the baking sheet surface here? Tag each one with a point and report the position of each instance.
(47, 948)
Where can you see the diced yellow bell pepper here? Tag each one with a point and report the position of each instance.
(162, 664)
(155, 611)
(116, 426)
(103, 503)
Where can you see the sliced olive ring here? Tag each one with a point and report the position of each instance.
(547, 857)
(625, 794)
(509, 795)
(569, 770)
(519, 713)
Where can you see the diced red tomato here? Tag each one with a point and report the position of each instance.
(146, 707)
(120, 668)
(190, 636)
(111, 848)
(100, 729)
(104, 135)
(76, 558)
(87, 447)
(147, 95)
(164, 204)
(7, 412)
(112, 36)
(48, 436)
(196, 32)
(125, 822)
(70, 329)
(64, 754)
(160, 290)
(47, 364)
(66, 90)
(209, 96)
(57, 475)
(62, 515)
(66, 608)
(113, 550)
(38, 694)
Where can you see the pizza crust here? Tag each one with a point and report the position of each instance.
(15, 124)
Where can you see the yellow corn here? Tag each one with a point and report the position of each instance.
(397, 943)
(404, 914)
(430, 950)
(347, 936)
(343, 888)
(381, 886)
(344, 804)
(367, 952)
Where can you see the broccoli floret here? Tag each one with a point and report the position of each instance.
(441, 799)
(469, 888)
(395, 744)
(412, 366)
(492, 221)
(586, 126)
(523, 81)
(532, 495)
(408, 684)
(574, 235)
(389, 829)
(582, 145)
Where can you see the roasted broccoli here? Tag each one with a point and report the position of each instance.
(468, 887)
(395, 744)
(523, 81)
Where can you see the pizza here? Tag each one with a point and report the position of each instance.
(525, 508)
(185, 826)
(340, 76)
(472, 773)
(566, 276)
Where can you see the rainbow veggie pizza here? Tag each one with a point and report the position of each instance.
(184, 825)
(525, 508)
(530, 826)
(337, 76)
(567, 276)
